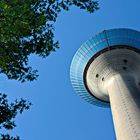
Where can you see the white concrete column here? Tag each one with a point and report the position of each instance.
(125, 105)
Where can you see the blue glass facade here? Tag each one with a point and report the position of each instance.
(95, 44)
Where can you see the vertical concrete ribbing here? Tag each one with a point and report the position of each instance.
(125, 105)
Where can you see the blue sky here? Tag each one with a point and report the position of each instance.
(57, 112)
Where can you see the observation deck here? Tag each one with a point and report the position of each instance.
(100, 58)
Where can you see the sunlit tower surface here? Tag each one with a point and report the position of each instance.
(105, 71)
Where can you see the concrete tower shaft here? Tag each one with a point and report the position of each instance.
(125, 105)
(113, 76)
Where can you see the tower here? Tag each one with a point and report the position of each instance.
(105, 71)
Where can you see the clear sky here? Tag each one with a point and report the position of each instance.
(58, 113)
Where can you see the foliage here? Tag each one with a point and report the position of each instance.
(8, 112)
(27, 27)
(8, 137)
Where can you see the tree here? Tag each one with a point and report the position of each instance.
(8, 112)
(27, 27)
